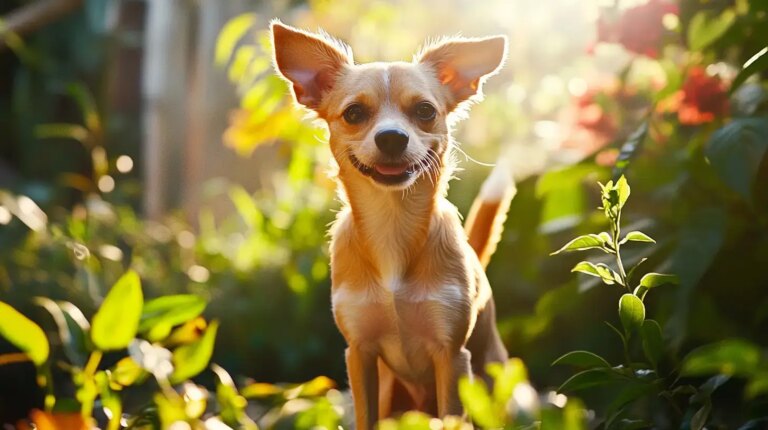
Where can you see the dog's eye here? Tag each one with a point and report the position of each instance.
(355, 114)
(425, 111)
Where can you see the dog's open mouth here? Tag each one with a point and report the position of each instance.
(388, 173)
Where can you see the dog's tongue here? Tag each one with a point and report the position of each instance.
(391, 170)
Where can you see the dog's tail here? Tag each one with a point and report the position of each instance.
(485, 221)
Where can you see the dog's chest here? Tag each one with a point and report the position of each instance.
(403, 322)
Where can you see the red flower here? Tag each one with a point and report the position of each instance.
(638, 29)
(588, 126)
(703, 98)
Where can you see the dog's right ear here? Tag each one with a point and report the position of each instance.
(311, 62)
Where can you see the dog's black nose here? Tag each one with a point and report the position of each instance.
(391, 142)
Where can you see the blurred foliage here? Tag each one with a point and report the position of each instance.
(672, 95)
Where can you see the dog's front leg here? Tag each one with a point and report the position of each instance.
(364, 381)
(450, 365)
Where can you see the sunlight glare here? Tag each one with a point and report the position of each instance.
(198, 274)
(577, 87)
(31, 214)
(124, 164)
(111, 252)
(5, 215)
(106, 184)
(556, 399)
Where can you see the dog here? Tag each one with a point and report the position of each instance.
(409, 290)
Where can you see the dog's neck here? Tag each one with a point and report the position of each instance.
(392, 226)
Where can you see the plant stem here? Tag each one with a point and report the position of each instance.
(89, 384)
(627, 359)
(616, 230)
(93, 363)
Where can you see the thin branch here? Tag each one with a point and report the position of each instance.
(31, 17)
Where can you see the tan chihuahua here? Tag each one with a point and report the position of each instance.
(409, 291)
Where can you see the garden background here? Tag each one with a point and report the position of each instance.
(148, 145)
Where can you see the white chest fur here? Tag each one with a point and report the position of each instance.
(404, 323)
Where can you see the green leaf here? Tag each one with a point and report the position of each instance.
(62, 130)
(757, 386)
(160, 315)
(587, 379)
(478, 403)
(563, 196)
(633, 269)
(636, 236)
(736, 151)
(622, 188)
(191, 359)
(24, 334)
(506, 377)
(710, 386)
(631, 312)
(699, 419)
(581, 243)
(630, 392)
(582, 359)
(653, 280)
(117, 320)
(653, 341)
(734, 357)
(705, 29)
(700, 240)
(756, 64)
(617, 331)
(599, 270)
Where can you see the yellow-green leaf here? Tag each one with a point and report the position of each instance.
(704, 29)
(636, 236)
(160, 315)
(622, 188)
(581, 243)
(23, 334)
(478, 403)
(232, 32)
(652, 341)
(653, 280)
(117, 320)
(193, 358)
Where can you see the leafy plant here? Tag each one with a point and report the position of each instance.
(637, 378)
(641, 379)
(115, 327)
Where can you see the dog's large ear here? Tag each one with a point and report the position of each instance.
(310, 62)
(462, 64)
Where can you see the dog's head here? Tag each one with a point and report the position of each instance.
(389, 122)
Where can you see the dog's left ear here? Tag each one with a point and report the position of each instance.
(462, 65)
